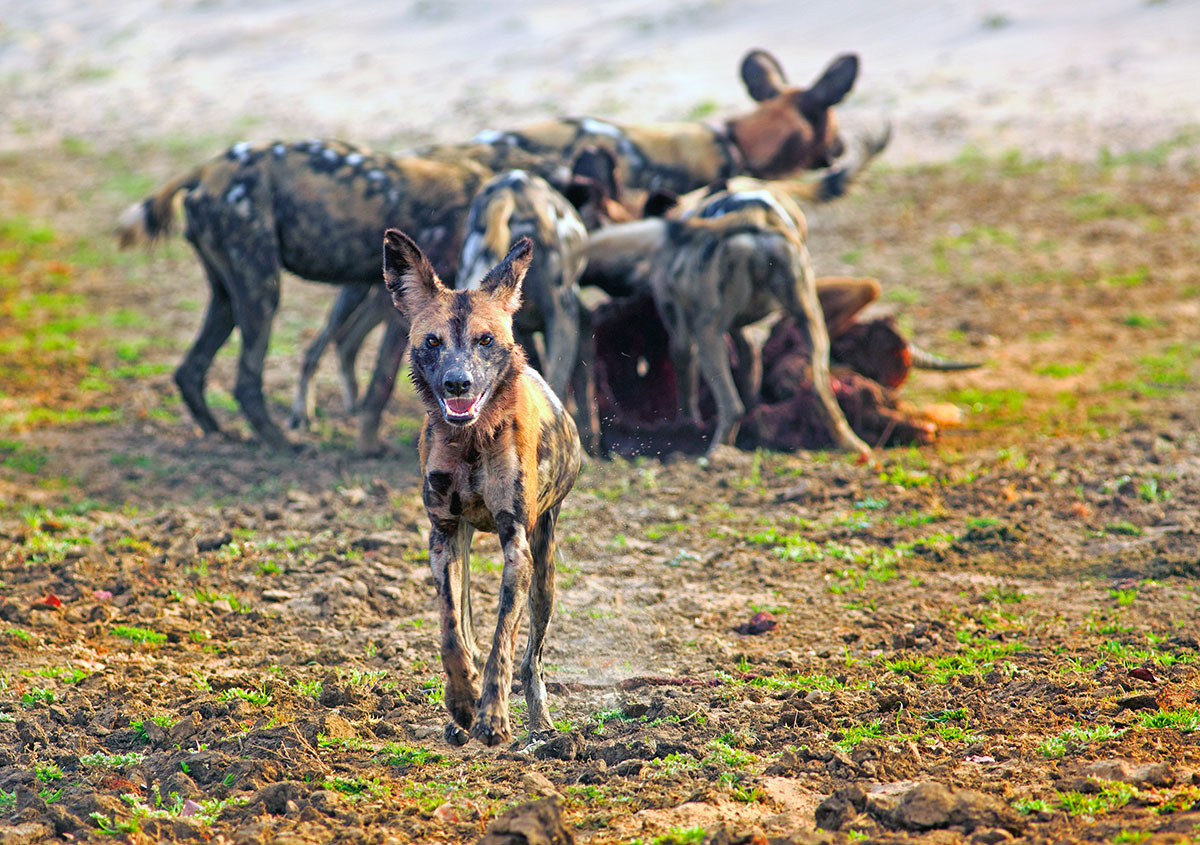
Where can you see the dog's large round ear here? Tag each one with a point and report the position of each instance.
(763, 75)
(407, 272)
(833, 86)
(503, 282)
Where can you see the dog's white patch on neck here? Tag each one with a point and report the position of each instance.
(600, 127)
(534, 376)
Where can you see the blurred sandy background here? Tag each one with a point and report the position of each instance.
(1051, 77)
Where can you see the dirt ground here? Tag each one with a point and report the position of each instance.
(994, 637)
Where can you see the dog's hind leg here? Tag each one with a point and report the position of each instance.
(713, 356)
(747, 375)
(799, 296)
(562, 344)
(448, 558)
(583, 386)
(541, 604)
(349, 298)
(254, 308)
(192, 373)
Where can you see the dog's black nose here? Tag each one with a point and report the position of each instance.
(456, 383)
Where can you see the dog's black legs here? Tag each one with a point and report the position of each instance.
(748, 373)
(383, 382)
(541, 604)
(377, 309)
(254, 315)
(193, 371)
(349, 298)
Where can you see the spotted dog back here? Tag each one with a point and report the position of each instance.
(317, 209)
(498, 453)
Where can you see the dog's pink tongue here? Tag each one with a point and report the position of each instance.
(460, 405)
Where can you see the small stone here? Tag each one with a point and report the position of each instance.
(537, 783)
(212, 542)
(1138, 701)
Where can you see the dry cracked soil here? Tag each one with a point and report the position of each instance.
(991, 638)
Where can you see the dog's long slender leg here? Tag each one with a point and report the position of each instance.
(193, 371)
(748, 373)
(492, 725)
(465, 618)
(683, 359)
(562, 347)
(383, 382)
(714, 365)
(447, 558)
(541, 604)
(583, 386)
(800, 298)
(348, 299)
(350, 339)
(254, 306)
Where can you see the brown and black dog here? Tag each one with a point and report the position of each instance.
(498, 453)
(733, 260)
(314, 207)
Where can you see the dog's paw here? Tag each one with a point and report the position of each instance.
(492, 728)
(297, 421)
(455, 735)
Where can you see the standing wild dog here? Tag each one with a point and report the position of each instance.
(313, 207)
(518, 204)
(737, 257)
(498, 453)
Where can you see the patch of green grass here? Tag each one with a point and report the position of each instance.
(399, 754)
(1025, 806)
(1123, 528)
(118, 762)
(1184, 720)
(138, 635)
(256, 697)
(852, 735)
(1076, 740)
(681, 836)
(1059, 369)
(1112, 796)
(47, 772)
(29, 698)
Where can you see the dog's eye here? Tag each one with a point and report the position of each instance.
(432, 341)
(486, 340)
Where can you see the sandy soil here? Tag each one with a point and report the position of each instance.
(987, 639)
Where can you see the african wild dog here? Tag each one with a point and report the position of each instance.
(498, 453)
(518, 204)
(733, 260)
(315, 208)
(312, 207)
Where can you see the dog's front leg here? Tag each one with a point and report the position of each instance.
(447, 557)
(492, 725)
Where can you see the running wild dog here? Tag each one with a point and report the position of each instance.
(316, 207)
(498, 453)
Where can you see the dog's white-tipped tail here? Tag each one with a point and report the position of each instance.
(131, 226)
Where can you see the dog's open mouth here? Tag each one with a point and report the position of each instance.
(461, 409)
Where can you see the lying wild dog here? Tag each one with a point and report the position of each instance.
(312, 208)
(737, 258)
(517, 204)
(498, 453)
